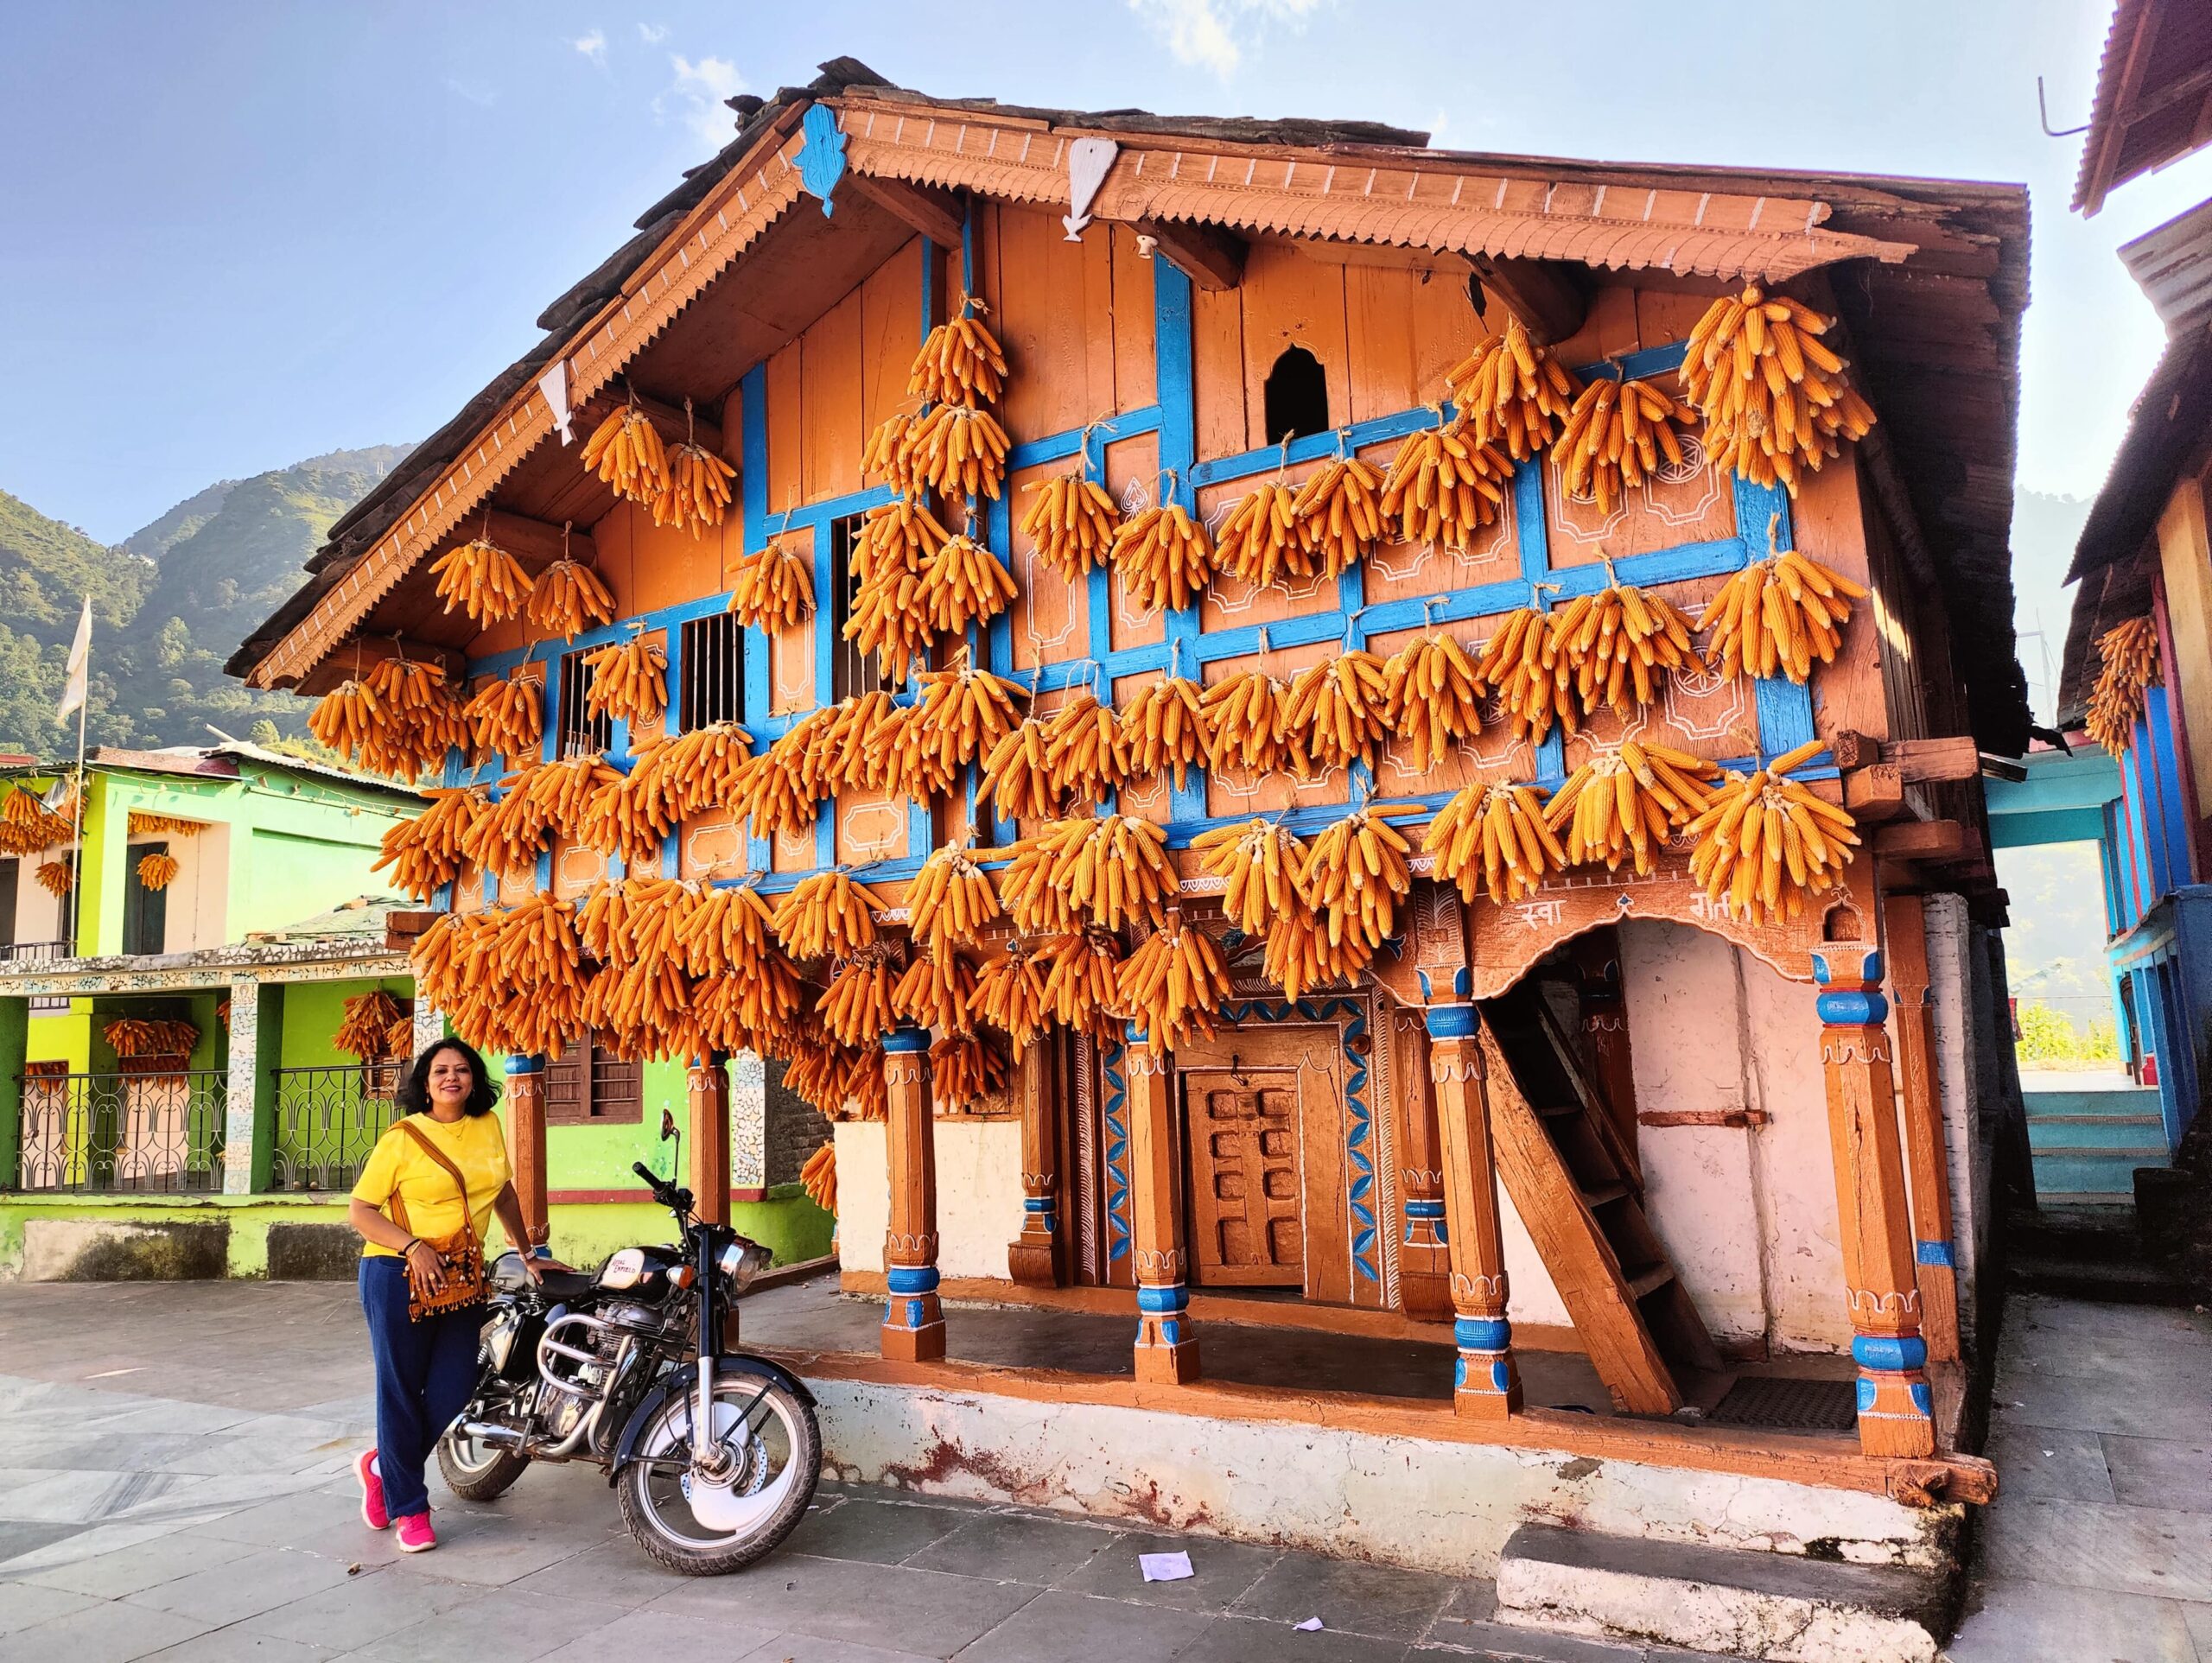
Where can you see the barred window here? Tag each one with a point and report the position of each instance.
(588, 1087)
(713, 672)
(581, 732)
(851, 670)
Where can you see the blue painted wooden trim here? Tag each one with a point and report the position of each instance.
(2166, 761)
(757, 694)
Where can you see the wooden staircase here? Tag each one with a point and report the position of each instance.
(1580, 1191)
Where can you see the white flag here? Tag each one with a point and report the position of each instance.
(81, 663)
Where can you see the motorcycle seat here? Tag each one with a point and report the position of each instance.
(562, 1286)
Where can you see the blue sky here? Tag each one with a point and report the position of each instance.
(235, 233)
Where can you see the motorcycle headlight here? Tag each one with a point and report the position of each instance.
(742, 1261)
(623, 1269)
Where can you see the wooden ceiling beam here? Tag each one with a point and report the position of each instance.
(935, 213)
(537, 543)
(1550, 297)
(1209, 257)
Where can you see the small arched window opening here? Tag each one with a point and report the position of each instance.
(1298, 396)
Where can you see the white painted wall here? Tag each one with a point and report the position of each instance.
(978, 1195)
(199, 894)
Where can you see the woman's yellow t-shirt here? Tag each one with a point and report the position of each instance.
(476, 1143)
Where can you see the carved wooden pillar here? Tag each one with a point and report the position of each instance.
(1926, 1148)
(913, 1321)
(1485, 1381)
(525, 1107)
(1424, 1255)
(1167, 1348)
(708, 1079)
(1035, 1257)
(1895, 1416)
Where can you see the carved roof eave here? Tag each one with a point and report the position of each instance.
(1373, 195)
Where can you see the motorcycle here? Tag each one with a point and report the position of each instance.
(714, 1455)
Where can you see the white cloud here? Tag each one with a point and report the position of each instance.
(1212, 34)
(696, 97)
(592, 45)
(653, 34)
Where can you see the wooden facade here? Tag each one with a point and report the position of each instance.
(1152, 288)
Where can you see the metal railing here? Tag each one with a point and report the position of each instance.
(28, 952)
(328, 1120)
(124, 1133)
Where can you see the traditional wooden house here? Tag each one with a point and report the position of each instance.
(1265, 553)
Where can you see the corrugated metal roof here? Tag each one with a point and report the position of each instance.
(2173, 267)
(2154, 95)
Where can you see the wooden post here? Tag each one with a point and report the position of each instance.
(1895, 1410)
(1485, 1382)
(1926, 1150)
(1604, 1019)
(708, 1079)
(1167, 1347)
(913, 1320)
(526, 1141)
(1035, 1257)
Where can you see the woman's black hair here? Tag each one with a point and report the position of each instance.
(414, 1094)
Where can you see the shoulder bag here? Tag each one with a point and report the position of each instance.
(460, 1255)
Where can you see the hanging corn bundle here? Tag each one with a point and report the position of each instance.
(1340, 709)
(894, 544)
(27, 826)
(966, 1069)
(1444, 486)
(1614, 643)
(1162, 557)
(1356, 871)
(397, 719)
(1339, 515)
(1166, 727)
(1033, 891)
(860, 741)
(1520, 661)
(829, 913)
(1494, 837)
(1765, 842)
(961, 362)
(958, 451)
(1016, 776)
(523, 986)
(773, 589)
(818, 1178)
(1774, 399)
(938, 990)
(914, 772)
(142, 824)
(1072, 523)
(1260, 864)
(1082, 981)
(629, 680)
(157, 871)
(1085, 757)
(1618, 435)
(1622, 804)
(1249, 714)
(537, 802)
(781, 792)
(697, 494)
(425, 851)
(1010, 996)
(506, 719)
(963, 583)
(629, 816)
(568, 599)
(1260, 541)
(951, 901)
(56, 878)
(1509, 389)
(855, 1008)
(963, 712)
(132, 1036)
(369, 1024)
(483, 579)
(707, 767)
(1429, 692)
(755, 1011)
(626, 452)
(889, 454)
(730, 932)
(1175, 984)
(1778, 614)
(2128, 653)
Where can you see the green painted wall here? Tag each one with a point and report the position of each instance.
(64, 1035)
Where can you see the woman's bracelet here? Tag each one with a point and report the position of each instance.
(413, 1241)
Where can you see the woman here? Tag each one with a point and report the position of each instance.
(426, 1364)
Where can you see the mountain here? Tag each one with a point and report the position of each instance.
(170, 604)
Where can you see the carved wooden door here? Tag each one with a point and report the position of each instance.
(1242, 1130)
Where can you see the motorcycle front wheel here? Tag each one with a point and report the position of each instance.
(704, 1528)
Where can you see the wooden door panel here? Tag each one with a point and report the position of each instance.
(1242, 1133)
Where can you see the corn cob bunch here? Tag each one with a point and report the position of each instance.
(1165, 727)
(1355, 874)
(626, 452)
(773, 589)
(1261, 865)
(963, 712)
(963, 583)
(825, 914)
(1522, 661)
(506, 719)
(1615, 437)
(1496, 837)
(757, 1010)
(1510, 389)
(641, 1011)
(951, 901)
(889, 454)
(938, 990)
(27, 826)
(1622, 804)
(1340, 709)
(351, 720)
(398, 719)
(730, 932)
(2128, 654)
(1429, 697)
(366, 1029)
(1260, 540)
(1444, 485)
(914, 770)
(779, 792)
(524, 986)
(132, 1036)
(698, 485)
(442, 955)
(56, 878)
(1085, 756)
(1035, 889)
(1765, 842)
(1072, 522)
(895, 543)
(855, 1008)
(818, 1178)
(1010, 996)
(1119, 872)
(1015, 776)
(568, 599)
(158, 870)
(1249, 714)
(1774, 399)
(959, 451)
(968, 1069)
(538, 801)
(961, 362)
(705, 768)
(629, 680)
(1162, 557)
(1615, 642)
(817, 1073)
(628, 817)
(483, 579)
(1776, 615)
(424, 851)
(1173, 984)
(142, 824)
(1339, 515)
(858, 741)
(1081, 971)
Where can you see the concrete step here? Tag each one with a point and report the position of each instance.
(2094, 1171)
(2133, 1099)
(2097, 1132)
(1778, 1606)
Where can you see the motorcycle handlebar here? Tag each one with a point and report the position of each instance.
(664, 1191)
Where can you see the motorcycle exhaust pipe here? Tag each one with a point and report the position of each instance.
(482, 1432)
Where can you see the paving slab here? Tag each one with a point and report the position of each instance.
(1057, 1623)
(2021, 1621)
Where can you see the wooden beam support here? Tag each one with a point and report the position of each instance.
(1875, 793)
(1550, 297)
(935, 213)
(1935, 840)
(1036, 1257)
(913, 1316)
(667, 415)
(709, 1080)
(1209, 257)
(525, 1124)
(1166, 1347)
(1485, 1382)
(1905, 934)
(537, 543)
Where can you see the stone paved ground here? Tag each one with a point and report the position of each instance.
(173, 1484)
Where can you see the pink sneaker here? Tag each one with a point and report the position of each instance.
(372, 1510)
(415, 1535)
